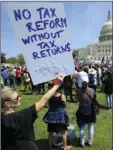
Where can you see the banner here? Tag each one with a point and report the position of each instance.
(42, 33)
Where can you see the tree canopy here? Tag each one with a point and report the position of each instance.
(20, 58)
(12, 60)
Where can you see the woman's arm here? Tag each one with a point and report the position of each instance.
(41, 103)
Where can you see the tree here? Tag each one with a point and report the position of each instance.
(75, 53)
(3, 57)
(12, 60)
(20, 58)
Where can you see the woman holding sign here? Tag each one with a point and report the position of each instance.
(17, 127)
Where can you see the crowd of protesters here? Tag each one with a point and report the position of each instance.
(95, 75)
(85, 80)
(18, 75)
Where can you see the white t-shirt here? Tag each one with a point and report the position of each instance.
(81, 77)
(76, 72)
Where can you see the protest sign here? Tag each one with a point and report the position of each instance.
(42, 33)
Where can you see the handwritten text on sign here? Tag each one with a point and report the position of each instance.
(42, 33)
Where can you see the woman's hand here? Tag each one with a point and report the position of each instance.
(59, 79)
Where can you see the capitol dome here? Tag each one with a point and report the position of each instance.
(106, 31)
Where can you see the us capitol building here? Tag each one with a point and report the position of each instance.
(102, 49)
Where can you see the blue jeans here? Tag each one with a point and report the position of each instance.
(13, 83)
(90, 133)
(109, 100)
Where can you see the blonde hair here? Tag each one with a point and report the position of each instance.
(6, 95)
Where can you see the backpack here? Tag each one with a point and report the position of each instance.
(91, 80)
(26, 77)
(86, 110)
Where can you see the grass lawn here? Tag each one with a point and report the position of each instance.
(103, 126)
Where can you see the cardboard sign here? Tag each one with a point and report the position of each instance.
(42, 34)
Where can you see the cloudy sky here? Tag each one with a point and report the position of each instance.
(85, 20)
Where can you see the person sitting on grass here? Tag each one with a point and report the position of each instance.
(17, 127)
(57, 118)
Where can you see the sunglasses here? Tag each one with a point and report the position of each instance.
(17, 98)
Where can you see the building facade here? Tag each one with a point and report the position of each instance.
(102, 49)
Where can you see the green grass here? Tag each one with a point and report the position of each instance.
(103, 126)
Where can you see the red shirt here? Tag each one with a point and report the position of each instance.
(54, 82)
(22, 71)
(18, 73)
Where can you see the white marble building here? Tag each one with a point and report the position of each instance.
(95, 52)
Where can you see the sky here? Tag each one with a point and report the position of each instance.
(85, 21)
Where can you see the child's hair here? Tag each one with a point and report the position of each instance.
(59, 89)
(50, 85)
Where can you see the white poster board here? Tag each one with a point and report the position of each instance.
(41, 31)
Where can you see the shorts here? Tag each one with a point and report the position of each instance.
(56, 127)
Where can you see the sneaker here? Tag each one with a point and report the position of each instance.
(88, 144)
(81, 145)
(107, 108)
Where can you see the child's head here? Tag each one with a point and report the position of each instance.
(50, 85)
